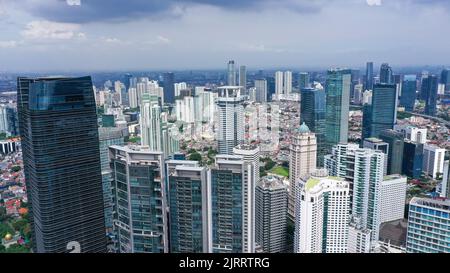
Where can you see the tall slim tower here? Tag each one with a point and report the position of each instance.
(232, 228)
(321, 214)
(140, 199)
(231, 73)
(150, 121)
(271, 214)
(61, 155)
(337, 107)
(302, 161)
(429, 91)
(279, 83)
(386, 74)
(287, 82)
(168, 87)
(231, 119)
(261, 90)
(243, 77)
(409, 95)
(369, 76)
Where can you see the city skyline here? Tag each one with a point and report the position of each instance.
(73, 35)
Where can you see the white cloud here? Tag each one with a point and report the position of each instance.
(158, 40)
(8, 44)
(374, 2)
(51, 30)
(73, 2)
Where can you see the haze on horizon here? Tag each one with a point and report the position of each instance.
(71, 35)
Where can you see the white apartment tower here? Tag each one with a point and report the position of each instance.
(231, 119)
(302, 161)
(393, 198)
(433, 160)
(150, 122)
(321, 214)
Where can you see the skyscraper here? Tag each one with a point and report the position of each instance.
(386, 74)
(231, 119)
(168, 87)
(150, 122)
(369, 76)
(392, 198)
(381, 114)
(232, 230)
(271, 214)
(429, 91)
(302, 161)
(445, 78)
(412, 159)
(287, 86)
(395, 155)
(445, 184)
(433, 160)
(313, 115)
(61, 155)
(243, 77)
(261, 90)
(279, 83)
(428, 226)
(140, 219)
(188, 199)
(409, 95)
(337, 107)
(231, 74)
(364, 169)
(321, 214)
(303, 81)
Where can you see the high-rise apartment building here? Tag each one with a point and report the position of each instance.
(321, 214)
(279, 83)
(61, 156)
(287, 86)
(392, 198)
(140, 219)
(231, 119)
(302, 161)
(428, 226)
(433, 160)
(261, 90)
(150, 122)
(445, 184)
(271, 214)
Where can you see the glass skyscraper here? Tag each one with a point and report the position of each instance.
(386, 74)
(369, 76)
(409, 88)
(169, 87)
(60, 143)
(395, 154)
(313, 115)
(382, 113)
(337, 107)
(429, 91)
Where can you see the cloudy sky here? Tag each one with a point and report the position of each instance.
(70, 35)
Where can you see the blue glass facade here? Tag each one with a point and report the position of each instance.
(409, 95)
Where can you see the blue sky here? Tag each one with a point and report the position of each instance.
(69, 35)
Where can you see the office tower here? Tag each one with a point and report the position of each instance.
(232, 230)
(231, 74)
(287, 87)
(321, 214)
(409, 92)
(271, 88)
(337, 107)
(188, 199)
(108, 136)
(140, 220)
(279, 78)
(395, 155)
(412, 159)
(271, 214)
(386, 74)
(61, 157)
(378, 145)
(392, 198)
(433, 160)
(355, 80)
(445, 78)
(369, 76)
(303, 81)
(445, 184)
(364, 169)
(381, 114)
(9, 120)
(250, 154)
(178, 87)
(312, 113)
(412, 133)
(243, 77)
(168, 87)
(302, 161)
(358, 238)
(133, 97)
(231, 119)
(150, 122)
(261, 90)
(127, 80)
(428, 226)
(429, 91)
(358, 94)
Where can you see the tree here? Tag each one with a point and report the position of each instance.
(195, 157)
(16, 248)
(16, 168)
